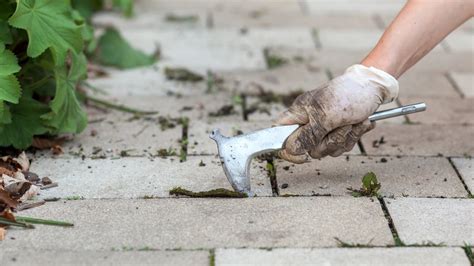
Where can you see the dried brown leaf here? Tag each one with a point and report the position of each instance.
(5, 198)
(23, 161)
(47, 143)
(2, 233)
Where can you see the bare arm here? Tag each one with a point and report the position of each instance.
(417, 29)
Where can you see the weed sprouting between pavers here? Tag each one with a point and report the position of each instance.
(212, 257)
(370, 186)
(468, 250)
(343, 244)
(391, 225)
(184, 121)
(272, 60)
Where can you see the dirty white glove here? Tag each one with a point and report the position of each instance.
(334, 116)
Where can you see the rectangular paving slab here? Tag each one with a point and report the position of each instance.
(117, 134)
(405, 176)
(205, 223)
(139, 177)
(447, 221)
(432, 140)
(148, 81)
(442, 110)
(200, 49)
(117, 257)
(426, 84)
(343, 256)
(281, 80)
(201, 144)
(465, 167)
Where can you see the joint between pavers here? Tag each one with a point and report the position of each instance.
(212, 257)
(303, 7)
(391, 225)
(379, 21)
(454, 84)
(316, 39)
(184, 139)
(469, 193)
(209, 20)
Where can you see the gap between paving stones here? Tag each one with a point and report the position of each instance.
(460, 177)
(455, 85)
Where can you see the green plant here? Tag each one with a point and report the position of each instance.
(370, 186)
(43, 47)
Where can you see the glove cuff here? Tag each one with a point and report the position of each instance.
(378, 77)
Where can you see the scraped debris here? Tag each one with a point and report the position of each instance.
(182, 74)
(215, 193)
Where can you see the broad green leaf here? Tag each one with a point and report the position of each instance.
(5, 34)
(113, 50)
(125, 5)
(5, 116)
(87, 7)
(49, 25)
(10, 90)
(26, 123)
(8, 63)
(67, 115)
(368, 180)
(6, 9)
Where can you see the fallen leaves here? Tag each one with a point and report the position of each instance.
(17, 185)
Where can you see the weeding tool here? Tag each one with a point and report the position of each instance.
(237, 152)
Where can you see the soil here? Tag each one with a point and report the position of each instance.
(182, 74)
(215, 193)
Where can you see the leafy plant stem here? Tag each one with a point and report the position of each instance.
(42, 221)
(4, 221)
(117, 107)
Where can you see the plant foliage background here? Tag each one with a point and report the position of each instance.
(43, 48)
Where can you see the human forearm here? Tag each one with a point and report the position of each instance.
(417, 29)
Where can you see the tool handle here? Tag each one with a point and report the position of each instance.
(404, 110)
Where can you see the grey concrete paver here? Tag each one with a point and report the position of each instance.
(464, 82)
(153, 19)
(362, 7)
(285, 19)
(445, 62)
(139, 177)
(447, 221)
(460, 41)
(465, 167)
(353, 39)
(406, 176)
(442, 110)
(426, 84)
(142, 257)
(201, 144)
(429, 140)
(281, 80)
(200, 49)
(147, 81)
(200, 107)
(349, 40)
(110, 135)
(205, 223)
(340, 256)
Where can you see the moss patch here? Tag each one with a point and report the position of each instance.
(215, 193)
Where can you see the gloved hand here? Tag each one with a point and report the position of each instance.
(334, 116)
